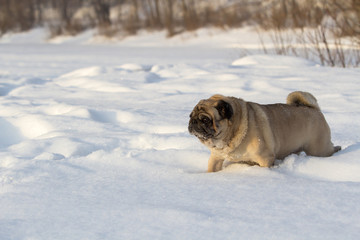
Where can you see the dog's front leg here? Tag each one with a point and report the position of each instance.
(215, 163)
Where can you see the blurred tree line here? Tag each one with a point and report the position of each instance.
(112, 17)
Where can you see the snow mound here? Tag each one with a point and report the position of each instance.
(131, 67)
(37, 35)
(271, 61)
(89, 78)
(32, 126)
(9, 134)
(333, 168)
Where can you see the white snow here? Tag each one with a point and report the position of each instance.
(94, 142)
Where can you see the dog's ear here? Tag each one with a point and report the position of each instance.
(225, 110)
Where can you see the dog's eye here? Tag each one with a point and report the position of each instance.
(205, 120)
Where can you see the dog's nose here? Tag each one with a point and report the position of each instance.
(190, 128)
(191, 125)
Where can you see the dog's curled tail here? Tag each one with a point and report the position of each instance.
(299, 98)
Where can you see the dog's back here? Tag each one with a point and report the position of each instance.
(300, 121)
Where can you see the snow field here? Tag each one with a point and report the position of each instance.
(94, 145)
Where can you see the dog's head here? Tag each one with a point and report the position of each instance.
(210, 118)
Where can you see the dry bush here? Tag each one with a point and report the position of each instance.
(18, 15)
(314, 29)
(287, 14)
(316, 44)
(346, 15)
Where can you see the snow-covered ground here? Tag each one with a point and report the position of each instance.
(94, 142)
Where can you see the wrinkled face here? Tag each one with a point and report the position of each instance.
(206, 119)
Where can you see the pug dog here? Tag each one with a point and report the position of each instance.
(248, 132)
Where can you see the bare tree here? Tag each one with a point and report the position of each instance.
(169, 18)
(102, 10)
(190, 19)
